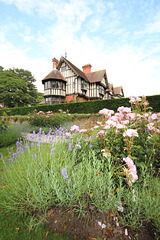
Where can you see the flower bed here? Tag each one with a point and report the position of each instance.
(111, 167)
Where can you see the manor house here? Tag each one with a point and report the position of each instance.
(67, 83)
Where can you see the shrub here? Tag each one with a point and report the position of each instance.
(3, 126)
(3, 123)
(49, 119)
(83, 107)
(12, 134)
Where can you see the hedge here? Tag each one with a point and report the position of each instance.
(83, 107)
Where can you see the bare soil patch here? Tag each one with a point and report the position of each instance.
(67, 222)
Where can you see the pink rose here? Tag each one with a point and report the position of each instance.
(130, 133)
(82, 131)
(75, 128)
(129, 162)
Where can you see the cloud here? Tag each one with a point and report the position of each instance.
(53, 9)
(87, 31)
(126, 66)
(12, 57)
(152, 25)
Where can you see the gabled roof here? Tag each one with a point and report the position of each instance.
(110, 86)
(54, 74)
(118, 91)
(77, 71)
(95, 76)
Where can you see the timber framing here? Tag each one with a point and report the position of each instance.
(67, 83)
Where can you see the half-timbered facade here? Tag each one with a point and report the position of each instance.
(67, 83)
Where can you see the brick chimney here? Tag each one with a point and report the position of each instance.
(87, 68)
(55, 63)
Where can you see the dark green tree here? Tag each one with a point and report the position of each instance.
(30, 80)
(1, 69)
(13, 90)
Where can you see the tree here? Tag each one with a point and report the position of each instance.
(1, 69)
(29, 79)
(13, 90)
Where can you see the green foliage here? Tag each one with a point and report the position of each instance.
(87, 169)
(3, 122)
(11, 134)
(28, 78)
(13, 90)
(142, 203)
(3, 126)
(15, 227)
(17, 88)
(49, 119)
(85, 107)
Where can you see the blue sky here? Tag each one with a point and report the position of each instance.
(121, 36)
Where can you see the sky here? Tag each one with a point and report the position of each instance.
(121, 36)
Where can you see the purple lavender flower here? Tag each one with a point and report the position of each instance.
(70, 195)
(10, 160)
(90, 145)
(70, 147)
(64, 173)
(52, 151)
(39, 163)
(14, 155)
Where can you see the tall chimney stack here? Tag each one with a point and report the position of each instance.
(87, 68)
(55, 63)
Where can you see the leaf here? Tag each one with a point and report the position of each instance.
(112, 214)
(91, 238)
(109, 232)
(51, 215)
(91, 195)
(30, 229)
(46, 234)
(3, 186)
(17, 230)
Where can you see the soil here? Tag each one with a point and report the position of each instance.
(67, 222)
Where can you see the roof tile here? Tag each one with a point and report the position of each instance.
(54, 74)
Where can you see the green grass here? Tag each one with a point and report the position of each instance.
(14, 227)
